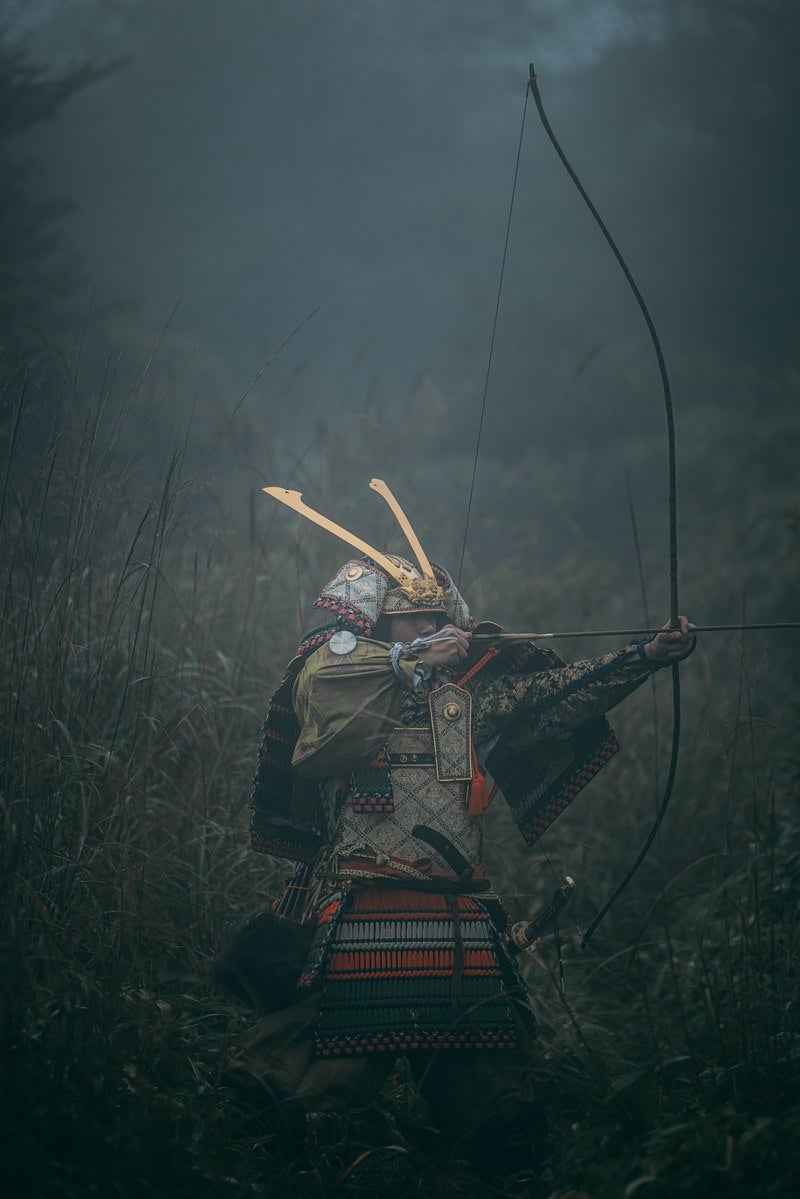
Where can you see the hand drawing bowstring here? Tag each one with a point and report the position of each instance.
(532, 89)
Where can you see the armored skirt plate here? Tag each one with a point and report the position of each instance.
(406, 970)
(342, 642)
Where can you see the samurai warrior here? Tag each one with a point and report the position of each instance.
(372, 778)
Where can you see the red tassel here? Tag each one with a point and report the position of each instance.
(478, 797)
(479, 800)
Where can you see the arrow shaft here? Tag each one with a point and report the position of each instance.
(700, 628)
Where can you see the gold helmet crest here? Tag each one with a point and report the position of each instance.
(417, 588)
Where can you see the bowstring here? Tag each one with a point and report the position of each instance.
(487, 378)
(492, 340)
(667, 394)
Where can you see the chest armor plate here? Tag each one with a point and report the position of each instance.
(420, 800)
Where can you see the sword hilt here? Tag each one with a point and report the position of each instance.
(527, 934)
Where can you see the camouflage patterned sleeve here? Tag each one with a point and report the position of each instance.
(553, 703)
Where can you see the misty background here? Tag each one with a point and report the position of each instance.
(259, 243)
(233, 169)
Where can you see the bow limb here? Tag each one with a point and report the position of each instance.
(656, 342)
(673, 523)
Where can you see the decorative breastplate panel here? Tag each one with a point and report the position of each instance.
(451, 722)
(420, 802)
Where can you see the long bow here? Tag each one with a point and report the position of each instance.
(532, 89)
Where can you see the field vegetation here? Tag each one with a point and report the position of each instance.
(151, 597)
(146, 620)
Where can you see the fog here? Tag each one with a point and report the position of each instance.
(245, 165)
(252, 161)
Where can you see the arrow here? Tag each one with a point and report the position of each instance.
(695, 628)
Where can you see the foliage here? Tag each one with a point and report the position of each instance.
(145, 623)
(33, 271)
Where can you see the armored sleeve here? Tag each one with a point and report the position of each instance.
(346, 705)
(551, 704)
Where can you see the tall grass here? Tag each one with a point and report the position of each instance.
(143, 628)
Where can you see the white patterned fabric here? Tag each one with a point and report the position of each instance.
(359, 585)
(363, 586)
(419, 799)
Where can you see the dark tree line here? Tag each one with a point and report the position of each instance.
(36, 270)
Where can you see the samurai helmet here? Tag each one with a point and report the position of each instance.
(381, 583)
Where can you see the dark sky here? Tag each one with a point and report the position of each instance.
(258, 158)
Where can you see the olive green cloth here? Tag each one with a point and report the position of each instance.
(346, 705)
